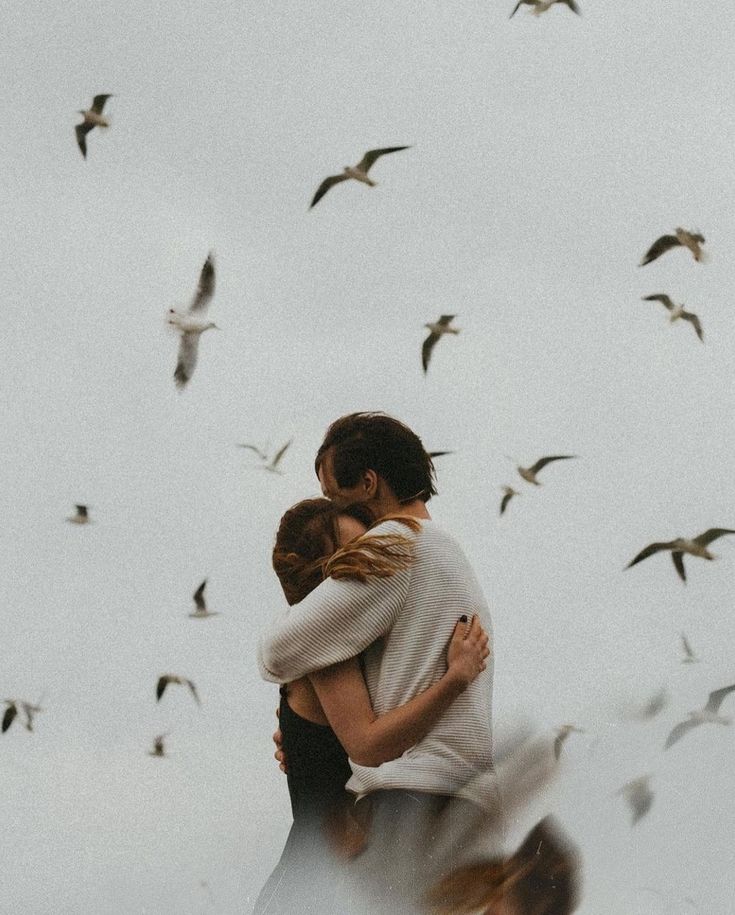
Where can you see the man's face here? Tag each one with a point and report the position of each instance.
(342, 496)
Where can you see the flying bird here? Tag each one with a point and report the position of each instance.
(540, 6)
(165, 679)
(201, 610)
(509, 493)
(639, 796)
(272, 464)
(697, 546)
(11, 712)
(192, 325)
(561, 735)
(158, 746)
(359, 172)
(689, 656)
(81, 516)
(658, 701)
(676, 312)
(438, 329)
(529, 473)
(707, 715)
(92, 118)
(680, 238)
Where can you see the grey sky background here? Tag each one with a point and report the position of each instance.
(547, 154)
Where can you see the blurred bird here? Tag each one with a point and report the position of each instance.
(655, 704)
(158, 746)
(436, 454)
(12, 711)
(540, 6)
(529, 473)
(191, 324)
(676, 312)
(509, 493)
(697, 546)
(359, 172)
(201, 607)
(691, 240)
(82, 515)
(92, 118)
(561, 735)
(689, 656)
(438, 329)
(272, 465)
(707, 715)
(165, 679)
(639, 796)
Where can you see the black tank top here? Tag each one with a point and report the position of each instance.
(317, 766)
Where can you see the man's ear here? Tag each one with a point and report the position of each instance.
(370, 481)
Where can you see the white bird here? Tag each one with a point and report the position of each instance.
(540, 6)
(438, 329)
(272, 464)
(81, 516)
(159, 748)
(191, 324)
(509, 492)
(639, 796)
(561, 735)
(201, 606)
(92, 118)
(165, 679)
(680, 238)
(707, 715)
(697, 546)
(676, 312)
(529, 473)
(689, 656)
(359, 172)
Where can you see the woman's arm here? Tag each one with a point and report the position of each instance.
(370, 739)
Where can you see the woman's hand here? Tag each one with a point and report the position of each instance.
(278, 741)
(467, 650)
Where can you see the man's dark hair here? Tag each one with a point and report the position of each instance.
(376, 441)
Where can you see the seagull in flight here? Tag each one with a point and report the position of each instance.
(359, 172)
(191, 324)
(680, 238)
(438, 329)
(708, 715)
(639, 796)
(13, 707)
(676, 312)
(158, 746)
(272, 464)
(81, 516)
(689, 656)
(509, 492)
(697, 546)
(658, 701)
(529, 473)
(165, 679)
(540, 6)
(201, 610)
(561, 735)
(92, 118)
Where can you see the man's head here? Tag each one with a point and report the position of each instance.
(371, 458)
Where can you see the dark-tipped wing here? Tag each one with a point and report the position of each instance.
(694, 321)
(205, 287)
(324, 187)
(712, 534)
(542, 462)
(81, 131)
(659, 297)
(445, 320)
(715, 698)
(279, 454)
(98, 102)
(429, 344)
(261, 454)
(677, 557)
(659, 247)
(187, 360)
(503, 505)
(372, 154)
(517, 7)
(679, 731)
(9, 717)
(649, 551)
(193, 691)
(161, 686)
(81, 511)
(572, 6)
(686, 647)
(199, 596)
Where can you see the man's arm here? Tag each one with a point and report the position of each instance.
(336, 621)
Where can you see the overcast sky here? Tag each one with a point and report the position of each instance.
(547, 153)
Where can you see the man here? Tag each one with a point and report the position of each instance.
(401, 626)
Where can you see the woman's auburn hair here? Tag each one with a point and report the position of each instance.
(306, 549)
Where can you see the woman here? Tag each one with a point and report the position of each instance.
(327, 716)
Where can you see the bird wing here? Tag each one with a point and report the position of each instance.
(279, 454)
(712, 534)
(193, 691)
(572, 6)
(503, 505)
(659, 247)
(686, 646)
(677, 557)
(516, 8)
(324, 187)
(161, 686)
(81, 511)
(205, 287)
(187, 359)
(436, 454)
(649, 551)
(429, 344)
(542, 462)
(261, 454)
(98, 102)
(694, 321)
(445, 320)
(10, 712)
(679, 731)
(81, 131)
(659, 297)
(715, 698)
(199, 596)
(372, 154)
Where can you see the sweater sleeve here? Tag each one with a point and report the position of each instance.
(336, 621)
